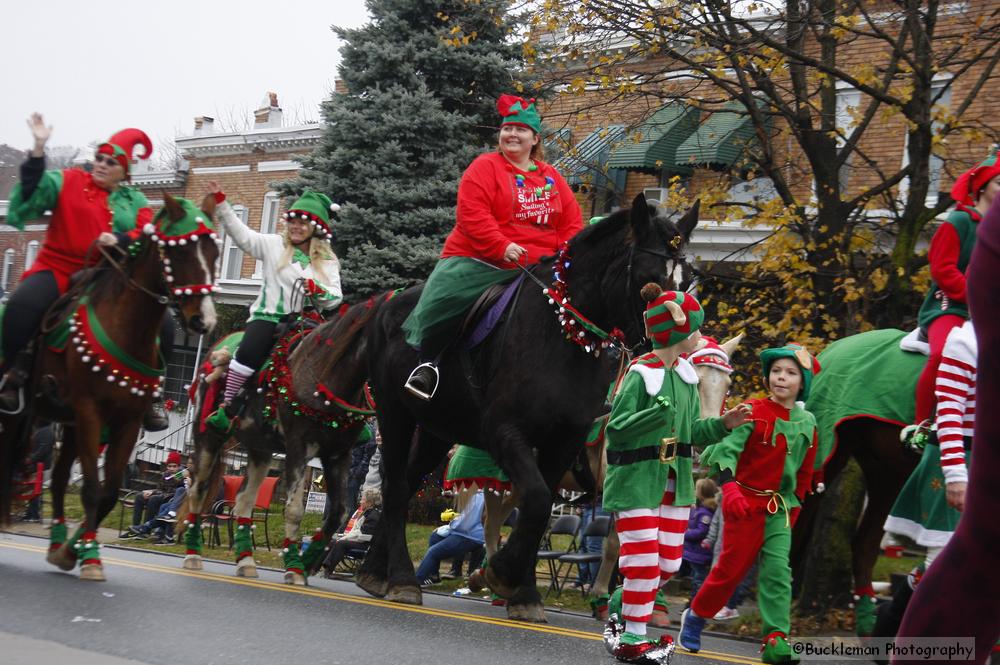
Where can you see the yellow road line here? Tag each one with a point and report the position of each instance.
(374, 602)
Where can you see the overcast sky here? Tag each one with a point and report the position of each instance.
(96, 66)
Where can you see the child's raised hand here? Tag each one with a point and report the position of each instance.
(736, 417)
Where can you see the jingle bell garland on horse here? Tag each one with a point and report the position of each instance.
(311, 401)
(105, 372)
(545, 397)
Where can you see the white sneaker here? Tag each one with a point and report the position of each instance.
(726, 613)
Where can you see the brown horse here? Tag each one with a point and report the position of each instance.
(312, 416)
(110, 367)
(861, 399)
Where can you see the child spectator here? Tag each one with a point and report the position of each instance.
(698, 559)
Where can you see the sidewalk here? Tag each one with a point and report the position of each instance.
(104, 534)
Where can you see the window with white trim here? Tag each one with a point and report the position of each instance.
(8, 267)
(848, 101)
(31, 254)
(268, 223)
(941, 98)
(232, 256)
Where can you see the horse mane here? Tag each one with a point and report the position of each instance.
(341, 332)
(105, 282)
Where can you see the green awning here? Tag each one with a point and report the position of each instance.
(586, 161)
(720, 140)
(653, 144)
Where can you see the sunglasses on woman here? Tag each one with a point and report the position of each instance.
(106, 159)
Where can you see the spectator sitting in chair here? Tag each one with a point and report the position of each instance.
(462, 535)
(358, 531)
(151, 501)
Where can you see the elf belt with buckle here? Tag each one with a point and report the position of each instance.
(666, 452)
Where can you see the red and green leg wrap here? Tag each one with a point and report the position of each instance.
(243, 540)
(660, 604)
(290, 555)
(613, 603)
(57, 533)
(314, 552)
(192, 533)
(864, 610)
(88, 551)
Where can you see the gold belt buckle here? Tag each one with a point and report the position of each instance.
(668, 449)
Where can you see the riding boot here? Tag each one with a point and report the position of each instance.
(12, 382)
(423, 381)
(155, 419)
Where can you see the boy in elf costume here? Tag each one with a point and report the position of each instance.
(765, 468)
(648, 485)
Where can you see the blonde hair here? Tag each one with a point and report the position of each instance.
(319, 251)
(373, 496)
(705, 489)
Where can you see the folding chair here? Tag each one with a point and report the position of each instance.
(599, 527)
(222, 511)
(564, 525)
(30, 486)
(263, 503)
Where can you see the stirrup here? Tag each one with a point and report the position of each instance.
(418, 392)
(20, 397)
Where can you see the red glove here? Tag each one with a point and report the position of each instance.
(793, 515)
(734, 505)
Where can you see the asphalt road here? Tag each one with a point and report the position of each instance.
(151, 611)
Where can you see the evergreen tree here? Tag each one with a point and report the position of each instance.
(422, 81)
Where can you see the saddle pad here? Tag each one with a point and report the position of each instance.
(488, 321)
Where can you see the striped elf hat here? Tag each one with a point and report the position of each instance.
(672, 317)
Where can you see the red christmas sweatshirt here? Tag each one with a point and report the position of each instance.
(498, 204)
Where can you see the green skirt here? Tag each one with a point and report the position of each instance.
(450, 291)
(921, 512)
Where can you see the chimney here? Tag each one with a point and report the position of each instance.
(204, 124)
(269, 113)
(339, 87)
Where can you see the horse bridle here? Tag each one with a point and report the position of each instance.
(174, 293)
(630, 294)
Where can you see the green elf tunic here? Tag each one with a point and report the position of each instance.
(949, 298)
(921, 511)
(654, 403)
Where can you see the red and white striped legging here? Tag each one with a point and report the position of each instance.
(652, 545)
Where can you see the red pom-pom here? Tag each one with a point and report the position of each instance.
(651, 291)
(505, 103)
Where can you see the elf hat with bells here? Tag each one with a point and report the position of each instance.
(315, 208)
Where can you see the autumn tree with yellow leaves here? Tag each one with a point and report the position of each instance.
(862, 113)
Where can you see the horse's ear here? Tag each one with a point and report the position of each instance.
(729, 346)
(208, 205)
(639, 216)
(687, 223)
(174, 210)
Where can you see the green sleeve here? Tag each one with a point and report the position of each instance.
(726, 453)
(44, 198)
(707, 430)
(630, 418)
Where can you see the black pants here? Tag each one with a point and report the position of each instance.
(256, 344)
(28, 305)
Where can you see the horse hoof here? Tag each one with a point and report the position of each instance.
(193, 562)
(372, 585)
(528, 613)
(246, 568)
(408, 595)
(61, 558)
(498, 587)
(476, 581)
(296, 579)
(601, 615)
(658, 620)
(93, 572)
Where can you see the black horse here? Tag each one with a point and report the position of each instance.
(534, 411)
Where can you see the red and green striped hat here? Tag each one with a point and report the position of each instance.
(966, 189)
(672, 317)
(122, 145)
